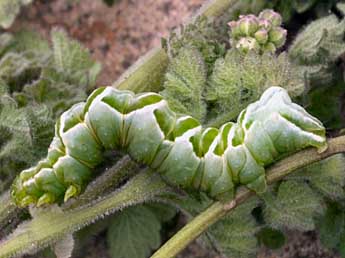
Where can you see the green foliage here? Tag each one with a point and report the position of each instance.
(72, 60)
(37, 83)
(201, 35)
(316, 49)
(286, 8)
(185, 82)
(332, 228)
(326, 104)
(9, 9)
(135, 232)
(327, 177)
(239, 79)
(294, 206)
(235, 234)
(271, 238)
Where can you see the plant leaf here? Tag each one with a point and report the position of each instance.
(235, 234)
(134, 233)
(271, 238)
(294, 206)
(184, 83)
(240, 79)
(9, 9)
(327, 176)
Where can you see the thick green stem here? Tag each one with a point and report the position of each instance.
(49, 226)
(217, 210)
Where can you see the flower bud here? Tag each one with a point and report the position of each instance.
(246, 44)
(277, 36)
(272, 16)
(265, 24)
(269, 47)
(248, 25)
(261, 36)
(235, 30)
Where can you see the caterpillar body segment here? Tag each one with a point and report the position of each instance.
(212, 160)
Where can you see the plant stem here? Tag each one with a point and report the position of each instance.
(111, 178)
(8, 214)
(218, 210)
(49, 226)
(123, 169)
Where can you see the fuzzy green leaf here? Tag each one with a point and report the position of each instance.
(317, 47)
(72, 59)
(294, 206)
(327, 176)
(203, 35)
(163, 212)
(326, 104)
(34, 91)
(235, 234)
(185, 82)
(271, 238)
(9, 9)
(332, 227)
(240, 79)
(134, 233)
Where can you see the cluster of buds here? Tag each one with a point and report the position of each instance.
(261, 33)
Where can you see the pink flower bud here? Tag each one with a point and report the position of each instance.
(277, 36)
(261, 36)
(248, 25)
(272, 16)
(246, 44)
(269, 47)
(235, 30)
(265, 24)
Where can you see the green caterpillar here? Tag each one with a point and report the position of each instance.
(207, 159)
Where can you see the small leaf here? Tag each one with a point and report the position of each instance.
(332, 227)
(134, 233)
(271, 238)
(240, 79)
(162, 211)
(317, 48)
(235, 234)
(326, 104)
(184, 83)
(294, 207)
(72, 59)
(327, 176)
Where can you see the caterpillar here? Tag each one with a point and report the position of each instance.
(212, 160)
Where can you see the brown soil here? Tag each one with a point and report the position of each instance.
(116, 37)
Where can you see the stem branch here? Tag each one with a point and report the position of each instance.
(51, 225)
(218, 210)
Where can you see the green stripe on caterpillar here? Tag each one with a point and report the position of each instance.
(207, 159)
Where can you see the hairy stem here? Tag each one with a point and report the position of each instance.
(49, 226)
(8, 214)
(218, 210)
(110, 179)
